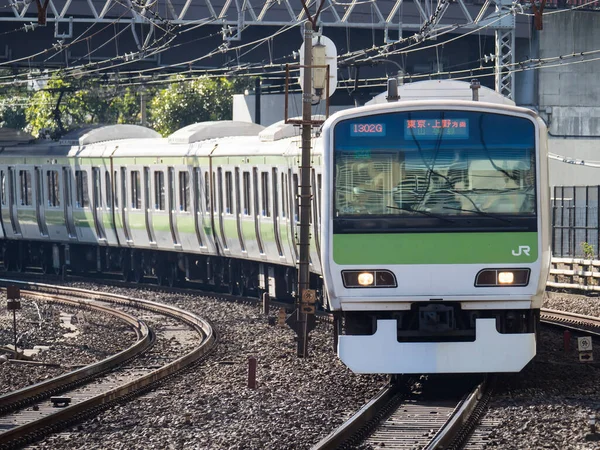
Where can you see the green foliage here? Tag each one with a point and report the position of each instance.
(588, 250)
(82, 103)
(183, 103)
(12, 112)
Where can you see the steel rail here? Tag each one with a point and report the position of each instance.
(44, 389)
(30, 431)
(573, 321)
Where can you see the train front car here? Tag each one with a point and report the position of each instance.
(436, 235)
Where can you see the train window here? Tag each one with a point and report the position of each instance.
(115, 188)
(53, 188)
(107, 190)
(97, 187)
(255, 182)
(319, 194)
(136, 195)
(82, 199)
(247, 206)
(220, 189)
(196, 184)
(124, 186)
(214, 183)
(184, 191)
(283, 196)
(2, 187)
(296, 203)
(159, 191)
(207, 191)
(228, 193)
(238, 205)
(25, 178)
(275, 193)
(264, 176)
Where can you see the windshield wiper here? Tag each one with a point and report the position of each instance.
(480, 213)
(425, 213)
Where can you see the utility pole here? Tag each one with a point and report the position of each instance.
(303, 264)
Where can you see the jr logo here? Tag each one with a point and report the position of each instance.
(522, 249)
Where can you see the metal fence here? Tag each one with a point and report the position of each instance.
(575, 231)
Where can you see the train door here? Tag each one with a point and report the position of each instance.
(255, 184)
(124, 211)
(172, 206)
(97, 206)
(40, 210)
(109, 217)
(276, 228)
(238, 210)
(68, 196)
(284, 225)
(147, 207)
(12, 195)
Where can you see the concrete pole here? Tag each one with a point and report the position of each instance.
(303, 265)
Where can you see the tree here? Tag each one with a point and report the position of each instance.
(64, 105)
(185, 102)
(14, 98)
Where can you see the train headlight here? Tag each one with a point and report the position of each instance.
(366, 278)
(369, 278)
(502, 277)
(506, 278)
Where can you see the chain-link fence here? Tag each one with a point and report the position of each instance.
(575, 230)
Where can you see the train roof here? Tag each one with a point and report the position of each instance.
(442, 90)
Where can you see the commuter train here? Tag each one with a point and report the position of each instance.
(430, 220)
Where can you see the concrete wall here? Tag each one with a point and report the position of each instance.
(272, 108)
(569, 95)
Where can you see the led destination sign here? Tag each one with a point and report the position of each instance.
(367, 129)
(436, 129)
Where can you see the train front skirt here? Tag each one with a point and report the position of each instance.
(490, 352)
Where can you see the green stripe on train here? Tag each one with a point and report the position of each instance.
(435, 248)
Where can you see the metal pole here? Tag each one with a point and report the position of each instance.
(303, 265)
(15, 332)
(143, 107)
(257, 95)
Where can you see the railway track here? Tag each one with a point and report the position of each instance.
(31, 413)
(430, 413)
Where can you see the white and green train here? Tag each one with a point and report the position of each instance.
(430, 223)
(435, 237)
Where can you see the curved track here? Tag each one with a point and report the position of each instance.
(135, 372)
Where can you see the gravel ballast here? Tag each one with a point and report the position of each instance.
(548, 404)
(296, 403)
(299, 401)
(39, 324)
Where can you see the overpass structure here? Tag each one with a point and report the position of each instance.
(146, 31)
(395, 21)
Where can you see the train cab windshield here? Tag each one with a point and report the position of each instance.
(435, 169)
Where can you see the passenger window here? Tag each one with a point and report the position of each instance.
(246, 188)
(196, 182)
(124, 186)
(53, 188)
(116, 188)
(97, 187)
(207, 191)
(283, 196)
(296, 202)
(216, 189)
(184, 191)
(107, 190)
(255, 183)
(220, 189)
(2, 187)
(275, 194)
(228, 193)
(136, 195)
(25, 178)
(82, 198)
(265, 194)
(159, 191)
